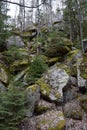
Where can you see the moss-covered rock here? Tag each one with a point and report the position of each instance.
(4, 74)
(19, 65)
(83, 102)
(47, 91)
(57, 46)
(52, 61)
(64, 67)
(52, 120)
(60, 126)
(73, 110)
(44, 87)
(71, 56)
(43, 106)
(57, 78)
(83, 66)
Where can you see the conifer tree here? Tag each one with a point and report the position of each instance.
(12, 108)
(3, 23)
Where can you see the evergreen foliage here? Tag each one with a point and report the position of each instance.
(12, 109)
(37, 68)
(13, 53)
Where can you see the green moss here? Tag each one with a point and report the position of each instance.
(18, 65)
(44, 87)
(26, 34)
(60, 114)
(83, 102)
(72, 54)
(32, 87)
(53, 60)
(83, 66)
(41, 109)
(4, 74)
(60, 125)
(76, 114)
(65, 67)
(57, 95)
(74, 70)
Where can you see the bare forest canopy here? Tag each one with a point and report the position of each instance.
(70, 16)
(15, 3)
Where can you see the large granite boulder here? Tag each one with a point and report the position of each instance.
(57, 78)
(14, 40)
(52, 83)
(47, 92)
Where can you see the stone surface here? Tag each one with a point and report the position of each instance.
(33, 97)
(2, 87)
(4, 76)
(81, 71)
(57, 78)
(15, 40)
(47, 92)
(51, 120)
(73, 124)
(19, 65)
(73, 110)
(71, 90)
(83, 102)
(57, 46)
(44, 106)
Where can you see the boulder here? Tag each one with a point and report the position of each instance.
(71, 90)
(52, 83)
(4, 75)
(57, 78)
(44, 106)
(14, 40)
(53, 60)
(2, 87)
(47, 92)
(32, 98)
(51, 120)
(57, 46)
(72, 124)
(82, 72)
(73, 110)
(83, 102)
(19, 65)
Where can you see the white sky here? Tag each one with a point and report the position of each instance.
(14, 8)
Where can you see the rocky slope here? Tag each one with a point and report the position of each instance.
(57, 100)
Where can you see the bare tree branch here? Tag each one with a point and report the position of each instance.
(21, 4)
